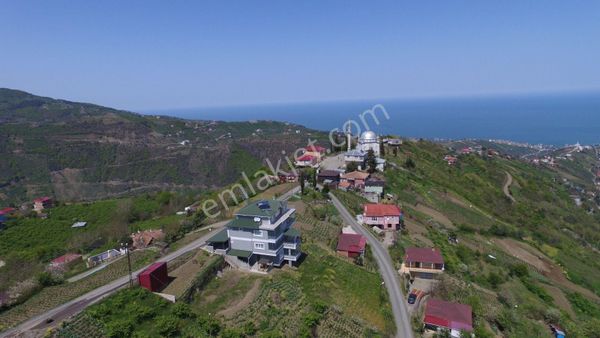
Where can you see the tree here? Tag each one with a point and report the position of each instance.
(409, 163)
(395, 151)
(313, 177)
(381, 148)
(352, 166)
(302, 178)
(371, 161)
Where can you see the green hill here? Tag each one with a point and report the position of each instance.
(79, 151)
(520, 264)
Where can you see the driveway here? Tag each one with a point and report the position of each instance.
(333, 162)
(387, 271)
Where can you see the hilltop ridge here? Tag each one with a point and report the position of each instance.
(81, 151)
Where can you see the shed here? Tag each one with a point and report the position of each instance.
(155, 277)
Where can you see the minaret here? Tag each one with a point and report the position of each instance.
(349, 137)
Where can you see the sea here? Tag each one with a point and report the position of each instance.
(551, 119)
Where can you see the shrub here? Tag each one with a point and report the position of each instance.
(119, 328)
(167, 325)
(210, 325)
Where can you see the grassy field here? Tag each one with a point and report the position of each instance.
(53, 296)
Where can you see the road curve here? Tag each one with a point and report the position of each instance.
(78, 304)
(506, 187)
(387, 271)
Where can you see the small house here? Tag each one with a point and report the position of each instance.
(455, 317)
(306, 160)
(104, 257)
(39, 204)
(65, 260)
(373, 189)
(328, 175)
(384, 216)
(351, 245)
(316, 151)
(353, 180)
(423, 262)
(288, 178)
(143, 239)
(5, 213)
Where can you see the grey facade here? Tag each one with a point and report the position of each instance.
(261, 232)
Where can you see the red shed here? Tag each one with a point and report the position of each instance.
(155, 277)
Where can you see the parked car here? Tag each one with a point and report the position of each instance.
(415, 295)
(412, 298)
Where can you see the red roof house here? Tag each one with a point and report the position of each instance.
(7, 211)
(423, 262)
(385, 216)
(42, 203)
(306, 160)
(452, 316)
(316, 149)
(351, 245)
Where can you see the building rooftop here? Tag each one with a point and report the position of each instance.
(380, 210)
(244, 223)
(450, 315)
(351, 242)
(292, 232)
(262, 208)
(423, 255)
(374, 182)
(219, 237)
(329, 173)
(66, 258)
(153, 267)
(355, 175)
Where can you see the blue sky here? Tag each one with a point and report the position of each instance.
(172, 54)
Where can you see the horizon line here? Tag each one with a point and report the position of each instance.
(433, 97)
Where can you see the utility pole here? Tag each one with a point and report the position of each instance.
(126, 245)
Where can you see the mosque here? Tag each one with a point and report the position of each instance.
(367, 141)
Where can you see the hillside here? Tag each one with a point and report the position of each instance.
(79, 151)
(526, 254)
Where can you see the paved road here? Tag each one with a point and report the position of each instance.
(77, 305)
(387, 271)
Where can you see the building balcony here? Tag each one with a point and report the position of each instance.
(291, 245)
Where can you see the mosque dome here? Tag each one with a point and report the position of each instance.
(368, 136)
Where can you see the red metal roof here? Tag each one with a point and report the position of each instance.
(42, 199)
(317, 149)
(380, 210)
(152, 268)
(305, 157)
(449, 315)
(7, 211)
(351, 242)
(423, 255)
(66, 258)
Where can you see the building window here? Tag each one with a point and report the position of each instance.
(258, 233)
(373, 218)
(259, 245)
